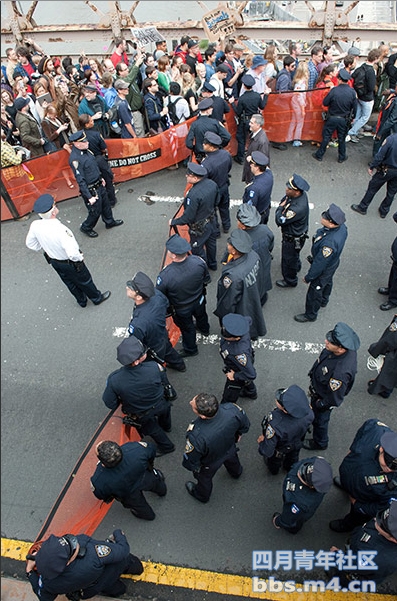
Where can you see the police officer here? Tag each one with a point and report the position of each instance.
(238, 358)
(249, 103)
(91, 184)
(148, 322)
(62, 252)
(292, 216)
(138, 387)
(199, 206)
(385, 165)
(304, 488)
(249, 220)
(124, 472)
(368, 474)
(326, 250)
(183, 281)
(97, 145)
(342, 105)
(81, 567)
(379, 536)
(211, 442)
(331, 379)
(284, 428)
(204, 123)
(258, 192)
(391, 289)
(218, 163)
(219, 106)
(240, 285)
(386, 380)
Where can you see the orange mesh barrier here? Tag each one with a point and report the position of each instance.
(130, 159)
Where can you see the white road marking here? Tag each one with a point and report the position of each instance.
(262, 343)
(233, 203)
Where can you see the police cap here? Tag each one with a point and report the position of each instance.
(248, 80)
(259, 158)
(177, 245)
(205, 104)
(235, 324)
(78, 136)
(317, 473)
(53, 556)
(248, 215)
(388, 441)
(387, 519)
(334, 214)
(130, 350)
(44, 203)
(344, 75)
(241, 241)
(207, 87)
(296, 182)
(343, 335)
(19, 103)
(142, 284)
(294, 400)
(212, 138)
(196, 169)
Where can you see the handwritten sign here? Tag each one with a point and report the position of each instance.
(146, 35)
(218, 23)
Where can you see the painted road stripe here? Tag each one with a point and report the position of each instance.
(171, 199)
(262, 343)
(211, 582)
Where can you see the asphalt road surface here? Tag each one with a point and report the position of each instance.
(56, 357)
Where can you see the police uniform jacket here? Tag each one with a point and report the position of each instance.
(283, 432)
(361, 474)
(184, 282)
(300, 501)
(262, 243)
(332, 377)
(293, 218)
(341, 101)
(239, 290)
(219, 108)
(238, 355)
(85, 571)
(199, 203)
(258, 192)
(203, 123)
(208, 440)
(326, 249)
(250, 103)
(85, 169)
(148, 323)
(120, 481)
(96, 143)
(387, 154)
(367, 538)
(138, 388)
(218, 165)
(387, 346)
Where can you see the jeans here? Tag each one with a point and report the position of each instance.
(363, 113)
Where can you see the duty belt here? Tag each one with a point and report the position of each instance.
(95, 185)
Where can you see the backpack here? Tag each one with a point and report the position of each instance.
(172, 110)
(114, 118)
(360, 81)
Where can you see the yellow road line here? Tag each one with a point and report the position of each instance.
(212, 582)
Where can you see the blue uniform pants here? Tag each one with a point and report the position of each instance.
(290, 262)
(279, 458)
(318, 293)
(341, 126)
(320, 426)
(378, 180)
(108, 176)
(80, 283)
(204, 246)
(100, 208)
(241, 136)
(156, 423)
(136, 501)
(203, 489)
(232, 389)
(183, 318)
(108, 583)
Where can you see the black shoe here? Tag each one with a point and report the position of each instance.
(311, 445)
(202, 333)
(226, 230)
(382, 215)
(283, 284)
(323, 304)
(302, 318)
(161, 452)
(339, 526)
(279, 146)
(170, 392)
(342, 160)
(89, 233)
(239, 161)
(314, 155)
(243, 394)
(386, 306)
(177, 366)
(383, 290)
(104, 296)
(83, 304)
(114, 223)
(358, 209)
(184, 353)
(338, 483)
(191, 487)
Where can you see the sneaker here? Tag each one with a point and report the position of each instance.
(348, 138)
(297, 143)
(334, 143)
(354, 139)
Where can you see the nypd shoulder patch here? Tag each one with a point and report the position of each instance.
(242, 359)
(103, 550)
(327, 251)
(269, 432)
(227, 282)
(290, 214)
(189, 447)
(335, 384)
